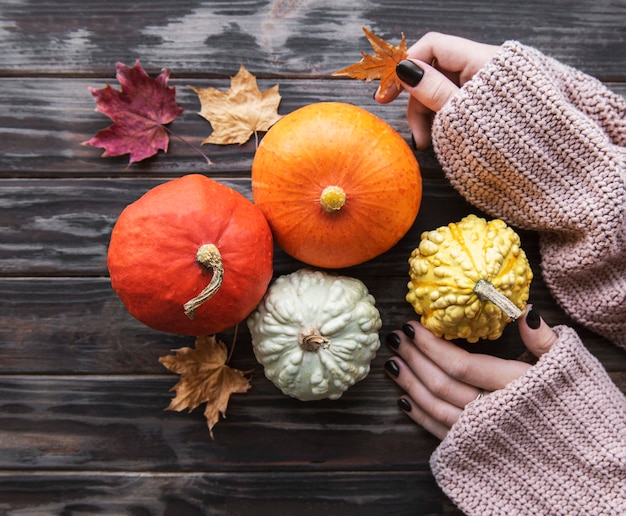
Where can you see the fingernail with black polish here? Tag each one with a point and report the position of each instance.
(393, 341)
(533, 319)
(408, 330)
(409, 72)
(392, 368)
(404, 405)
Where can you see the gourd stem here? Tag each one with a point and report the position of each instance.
(487, 292)
(209, 256)
(311, 340)
(332, 198)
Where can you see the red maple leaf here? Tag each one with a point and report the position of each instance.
(139, 110)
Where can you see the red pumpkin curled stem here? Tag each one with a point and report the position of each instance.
(209, 256)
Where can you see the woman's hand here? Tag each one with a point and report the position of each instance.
(440, 379)
(436, 67)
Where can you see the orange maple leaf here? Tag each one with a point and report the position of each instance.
(204, 377)
(241, 111)
(381, 65)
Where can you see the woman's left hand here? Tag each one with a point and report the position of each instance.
(440, 378)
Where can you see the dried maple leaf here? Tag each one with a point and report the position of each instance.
(381, 65)
(139, 110)
(204, 377)
(241, 111)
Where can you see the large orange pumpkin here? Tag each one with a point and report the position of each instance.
(191, 256)
(337, 184)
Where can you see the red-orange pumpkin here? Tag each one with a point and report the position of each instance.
(159, 242)
(337, 184)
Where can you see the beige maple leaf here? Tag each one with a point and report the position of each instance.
(381, 65)
(241, 111)
(204, 378)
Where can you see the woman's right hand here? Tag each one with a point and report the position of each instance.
(439, 378)
(436, 67)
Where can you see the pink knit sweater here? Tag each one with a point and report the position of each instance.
(552, 442)
(543, 146)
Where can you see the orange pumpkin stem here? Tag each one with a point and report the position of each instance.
(332, 198)
(208, 255)
(487, 292)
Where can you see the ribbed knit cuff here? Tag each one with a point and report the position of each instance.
(540, 145)
(552, 442)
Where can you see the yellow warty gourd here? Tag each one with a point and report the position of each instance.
(469, 279)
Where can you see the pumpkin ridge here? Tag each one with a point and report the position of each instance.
(374, 210)
(364, 221)
(507, 266)
(457, 235)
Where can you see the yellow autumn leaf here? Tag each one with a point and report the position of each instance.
(381, 65)
(240, 112)
(204, 378)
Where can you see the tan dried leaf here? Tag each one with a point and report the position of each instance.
(204, 378)
(241, 111)
(381, 65)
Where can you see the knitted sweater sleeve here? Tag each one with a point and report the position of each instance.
(543, 146)
(552, 442)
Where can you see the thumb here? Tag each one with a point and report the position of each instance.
(428, 85)
(537, 336)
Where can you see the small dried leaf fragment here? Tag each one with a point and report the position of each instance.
(139, 109)
(204, 378)
(241, 111)
(381, 65)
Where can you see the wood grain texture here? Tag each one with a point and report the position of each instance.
(44, 121)
(403, 493)
(78, 325)
(83, 425)
(119, 423)
(42, 137)
(294, 37)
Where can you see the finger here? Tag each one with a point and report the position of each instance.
(429, 86)
(420, 121)
(458, 57)
(423, 419)
(435, 379)
(483, 371)
(440, 410)
(386, 96)
(537, 336)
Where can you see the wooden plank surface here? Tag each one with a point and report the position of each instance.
(82, 395)
(195, 494)
(295, 37)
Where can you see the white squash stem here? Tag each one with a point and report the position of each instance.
(209, 256)
(487, 292)
(312, 340)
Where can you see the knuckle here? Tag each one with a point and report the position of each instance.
(440, 94)
(442, 415)
(431, 36)
(459, 369)
(419, 417)
(440, 386)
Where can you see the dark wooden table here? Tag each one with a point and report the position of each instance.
(83, 428)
